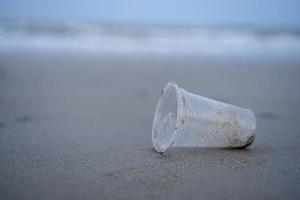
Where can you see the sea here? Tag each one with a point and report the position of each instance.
(144, 40)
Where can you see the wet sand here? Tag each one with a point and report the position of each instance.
(79, 127)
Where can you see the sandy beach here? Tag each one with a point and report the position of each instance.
(79, 127)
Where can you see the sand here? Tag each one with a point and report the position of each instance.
(79, 127)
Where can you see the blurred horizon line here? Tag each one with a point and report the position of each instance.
(60, 22)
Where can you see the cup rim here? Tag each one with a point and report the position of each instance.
(178, 126)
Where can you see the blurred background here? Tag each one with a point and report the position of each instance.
(79, 82)
(268, 28)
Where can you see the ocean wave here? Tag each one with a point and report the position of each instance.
(148, 39)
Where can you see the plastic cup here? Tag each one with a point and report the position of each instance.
(188, 120)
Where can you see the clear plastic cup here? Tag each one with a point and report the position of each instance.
(188, 120)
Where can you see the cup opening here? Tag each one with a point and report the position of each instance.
(165, 124)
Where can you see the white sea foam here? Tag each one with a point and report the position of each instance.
(148, 40)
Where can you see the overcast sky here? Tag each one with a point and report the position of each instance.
(263, 13)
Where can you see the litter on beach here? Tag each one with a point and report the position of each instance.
(187, 120)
